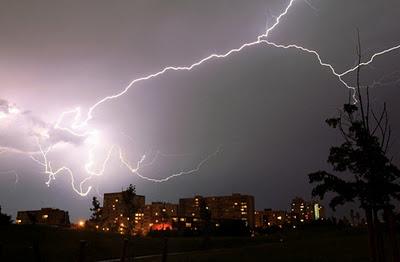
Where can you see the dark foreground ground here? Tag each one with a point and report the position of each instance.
(24, 243)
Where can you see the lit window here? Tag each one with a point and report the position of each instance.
(45, 216)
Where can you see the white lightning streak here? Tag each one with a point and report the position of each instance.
(52, 174)
(260, 40)
(77, 111)
(13, 172)
(78, 123)
(4, 149)
(135, 170)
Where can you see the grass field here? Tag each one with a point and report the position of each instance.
(308, 244)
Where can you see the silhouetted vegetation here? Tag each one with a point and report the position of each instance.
(96, 218)
(368, 174)
(5, 219)
(129, 207)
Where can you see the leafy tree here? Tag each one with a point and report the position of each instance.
(5, 219)
(129, 207)
(370, 176)
(96, 216)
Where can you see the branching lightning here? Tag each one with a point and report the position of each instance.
(79, 126)
(135, 169)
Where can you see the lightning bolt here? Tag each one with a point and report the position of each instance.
(79, 124)
(261, 39)
(13, 172)
(135, 169)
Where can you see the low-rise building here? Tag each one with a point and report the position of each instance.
(44, 216)
(268, 217)
(160, 216)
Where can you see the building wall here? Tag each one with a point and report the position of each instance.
(44, 216)
(236, 206)
(268, 217)
(160, 215)
(304, 211)
(115, 217)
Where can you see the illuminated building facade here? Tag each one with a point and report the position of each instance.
(44, 216)
(304, 211)
(116, 215)
(234, 207)
(268, 217)
(160, 216)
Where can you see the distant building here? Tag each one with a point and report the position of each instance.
(160, 216)
(44, 216)
(234, 207)
(304, 211)
(115, 217)
(319, 211)
(268, 217)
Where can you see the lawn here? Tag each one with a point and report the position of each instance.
(308, 244)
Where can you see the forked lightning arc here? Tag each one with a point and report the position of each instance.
(80, 125)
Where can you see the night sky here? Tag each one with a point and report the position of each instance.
(263, 108)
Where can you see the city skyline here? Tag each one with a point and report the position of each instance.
(111, 214)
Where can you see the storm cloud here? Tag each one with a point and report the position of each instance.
(264, 106)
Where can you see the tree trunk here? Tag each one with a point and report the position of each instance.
(82, 251)
(124, 248)
(378, 237)
(165, 250)
(392, 234)
(371, 235)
